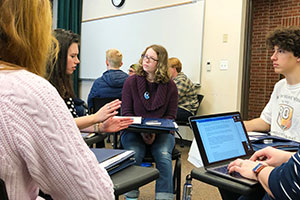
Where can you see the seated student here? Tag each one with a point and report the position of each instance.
(187, 94)
(110, 84)
(151, 93)
(61, 78)
(279, 173)
(40, 145)
(281, 114)
(132, 69)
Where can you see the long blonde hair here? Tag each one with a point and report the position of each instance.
(26, 39)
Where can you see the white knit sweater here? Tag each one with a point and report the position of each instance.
(41, 146)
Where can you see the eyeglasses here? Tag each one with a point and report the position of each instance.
(151, 59)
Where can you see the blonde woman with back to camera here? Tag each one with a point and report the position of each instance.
(40, 144)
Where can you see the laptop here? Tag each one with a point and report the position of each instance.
(222, 138)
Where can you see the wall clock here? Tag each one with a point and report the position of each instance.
(118, 3)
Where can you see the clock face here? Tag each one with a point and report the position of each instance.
(118, 3)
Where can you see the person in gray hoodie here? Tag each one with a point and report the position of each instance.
(110, 84)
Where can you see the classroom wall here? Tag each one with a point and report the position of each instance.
(100, 9)
(222, 41)
(131, 33)
(267, 15)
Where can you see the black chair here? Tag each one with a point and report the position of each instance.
(97, 104)
(186, 122)
(97, 138)
(132, 177)
(3, 192)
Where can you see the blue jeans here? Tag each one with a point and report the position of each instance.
(161, 150)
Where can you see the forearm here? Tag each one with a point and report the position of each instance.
(95, 128)
(91, 129)
(263, 178)
(85, 121)
(257, 124)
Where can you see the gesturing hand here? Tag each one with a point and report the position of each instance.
(107, 111)
(112, 125)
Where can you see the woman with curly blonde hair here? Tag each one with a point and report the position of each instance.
(40, 144)
(151, 93)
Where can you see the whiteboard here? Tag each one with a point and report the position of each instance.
(179, 29)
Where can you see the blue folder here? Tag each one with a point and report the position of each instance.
(274, 141)
(103, 155)
(156, 124)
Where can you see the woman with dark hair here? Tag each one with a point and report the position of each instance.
(151, 93)
(60, 76)
(40, 145)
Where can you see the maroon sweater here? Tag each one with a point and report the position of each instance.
(162, 101)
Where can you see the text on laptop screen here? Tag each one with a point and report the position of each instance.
(223, 137)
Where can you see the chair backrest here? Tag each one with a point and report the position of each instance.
(200, 98)
(3, 193)
(99, 102)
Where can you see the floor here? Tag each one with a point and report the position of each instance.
(200, 190)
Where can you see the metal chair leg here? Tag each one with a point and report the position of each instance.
(180, 139)
(177, 179)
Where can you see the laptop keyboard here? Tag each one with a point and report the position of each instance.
(224, 170)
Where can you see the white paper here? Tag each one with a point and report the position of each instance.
(136, 120)
(253, 138)
(175, 124)
(194, 155)
(153, 123)
(252, 133)
(115, 158)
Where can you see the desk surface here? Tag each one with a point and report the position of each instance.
(133, 177)
(201, 175)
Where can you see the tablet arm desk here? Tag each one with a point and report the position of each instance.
(131, 178)
(202, 175)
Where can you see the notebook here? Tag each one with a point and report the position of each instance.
(114, 160)
(222, 138)
(156, 124)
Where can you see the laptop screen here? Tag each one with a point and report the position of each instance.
(221, 137)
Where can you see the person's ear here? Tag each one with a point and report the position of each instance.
(121, 64)
(106, 62)
(298, 59)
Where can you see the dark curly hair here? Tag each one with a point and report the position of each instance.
(161, 74)
(287, 39)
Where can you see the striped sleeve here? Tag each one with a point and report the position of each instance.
(284, 181)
